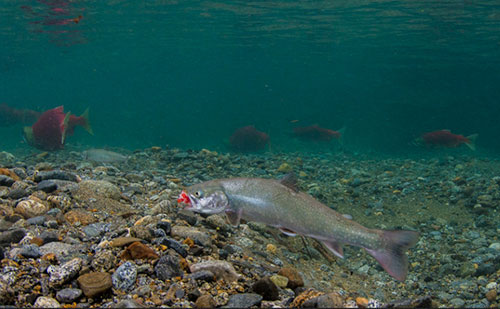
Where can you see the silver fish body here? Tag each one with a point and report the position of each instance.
(280, 205)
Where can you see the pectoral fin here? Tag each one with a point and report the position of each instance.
(233, 216)
(335, 247)
(287, 232)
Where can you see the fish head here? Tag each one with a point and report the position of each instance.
(207, 199)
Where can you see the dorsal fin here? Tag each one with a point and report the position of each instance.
(290, 181)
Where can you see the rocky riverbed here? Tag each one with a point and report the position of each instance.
(76, 233)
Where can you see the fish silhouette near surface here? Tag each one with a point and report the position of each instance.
(281, 205)
(248, 139)
(444, 138)
(52, 127)
(316, 133)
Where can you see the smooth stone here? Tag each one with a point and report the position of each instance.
(39, 220)
(6, 181)
(46, 302)
(188, 216)
(485, 269)
(245, 300)
(49, 236)
(267, 289)
(95, 283)
(331, 300)
(221, 269)
(123, 241)
(280, 281)
(46, 186)
(168, 267)
(199, 237)
(68, 295)
(205, 301)
(31, 251)
(164, 225)
(204, 275)
(17, 193)
(138, 250)
(175, 245)
(294, 278)
(128, 303)
(495, 246)
(55, 174)
(12, 236)
(125, 276)
(457, 303)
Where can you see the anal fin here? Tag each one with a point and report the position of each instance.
(334, 247)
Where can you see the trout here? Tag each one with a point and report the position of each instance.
(281, 205)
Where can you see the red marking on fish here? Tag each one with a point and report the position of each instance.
(316, 133)
(49, 130)
(183, 198)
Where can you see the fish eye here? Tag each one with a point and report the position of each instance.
(198, 193)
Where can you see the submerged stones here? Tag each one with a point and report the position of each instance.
(94, 284)
(221, 269)
(31, 207)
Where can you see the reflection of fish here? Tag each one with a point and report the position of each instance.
(103, 156)
(316, 133)
(248, 139)
(52, 127)
(11, 116)
(279, 204)
(445, 138)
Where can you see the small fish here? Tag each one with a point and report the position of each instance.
(248, 139)
(445, 138)
(52, 127)
(103, 156)
(317, 133)
(280, 204)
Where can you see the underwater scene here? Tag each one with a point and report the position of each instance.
(249, 154)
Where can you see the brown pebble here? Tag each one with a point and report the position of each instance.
(362, 302)
(294, 278)
(84, 217)
(138, 250)
(205, 301)
(123, 241)
(37, 241)
(94, 283)
(491, 295)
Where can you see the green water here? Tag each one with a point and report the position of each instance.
(188, 73)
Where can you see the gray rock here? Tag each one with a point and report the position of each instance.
(12, 236)
(128, 303)
(61, 274)
(17, 193)
(60, 249)
(245, 300)
(6, 181)
(46, 186)
(204, 275)
(95, 229)
(68, 295)
(457, 302)
(188, 216)
(31, 251)
(56, 174)
(199, 237)
(124, 277)
(49, 236)
(39, 220)
(168, 267)
(221, 269)
(175, 245)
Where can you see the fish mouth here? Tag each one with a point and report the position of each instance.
(185, 198)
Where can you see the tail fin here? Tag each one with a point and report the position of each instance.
(86, 124)
(392, 256)
(472, 141)
(341, 137)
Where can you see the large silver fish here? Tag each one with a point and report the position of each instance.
(281, 205)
